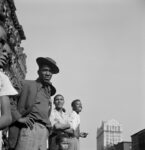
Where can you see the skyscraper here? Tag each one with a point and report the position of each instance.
(108, 134)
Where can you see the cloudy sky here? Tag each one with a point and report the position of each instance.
(99, 46)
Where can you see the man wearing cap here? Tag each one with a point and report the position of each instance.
(31, 115)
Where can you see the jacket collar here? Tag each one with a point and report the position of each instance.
(52, 88)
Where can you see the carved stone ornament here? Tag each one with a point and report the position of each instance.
(12, 56)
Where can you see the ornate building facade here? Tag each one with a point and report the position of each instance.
(108, 134)
(11, 34)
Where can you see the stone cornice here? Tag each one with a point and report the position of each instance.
(15, 19)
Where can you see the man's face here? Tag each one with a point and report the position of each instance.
(45, 73)
(59, 101)
(64, 144)
(77, 106)
(5, 53)
(3, 50)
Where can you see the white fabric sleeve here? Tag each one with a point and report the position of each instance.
(6, 87)
(53, 119)
(73, 121)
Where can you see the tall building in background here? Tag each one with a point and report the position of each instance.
(108, 134)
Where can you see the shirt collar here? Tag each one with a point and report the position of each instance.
(53, 90)
(41, 84)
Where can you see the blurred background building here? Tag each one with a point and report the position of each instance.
(121, 146)
(109, 134)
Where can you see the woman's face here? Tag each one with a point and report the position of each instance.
(59, 102)
(77, 106)
(4, 48)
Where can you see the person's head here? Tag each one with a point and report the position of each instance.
(76, 105)
(4, 48)
(62, 142)
(58, 101)
(47, 67)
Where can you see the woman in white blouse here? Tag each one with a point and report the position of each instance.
(59, 121)
(75, 125)
(6, 88)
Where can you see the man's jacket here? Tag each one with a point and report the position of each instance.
(25, 103)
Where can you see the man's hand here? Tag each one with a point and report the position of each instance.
(83, 134)
(27, 121)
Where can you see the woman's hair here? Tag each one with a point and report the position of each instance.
(73, 102)
(57, 96)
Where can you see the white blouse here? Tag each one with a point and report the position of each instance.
(6, 87)
(74, 120)
(58, 117)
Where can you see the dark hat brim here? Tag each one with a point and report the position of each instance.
(44, 61)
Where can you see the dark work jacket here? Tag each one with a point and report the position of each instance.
(25, 103)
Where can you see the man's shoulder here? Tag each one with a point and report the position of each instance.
(29, 82)
(74, 114)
